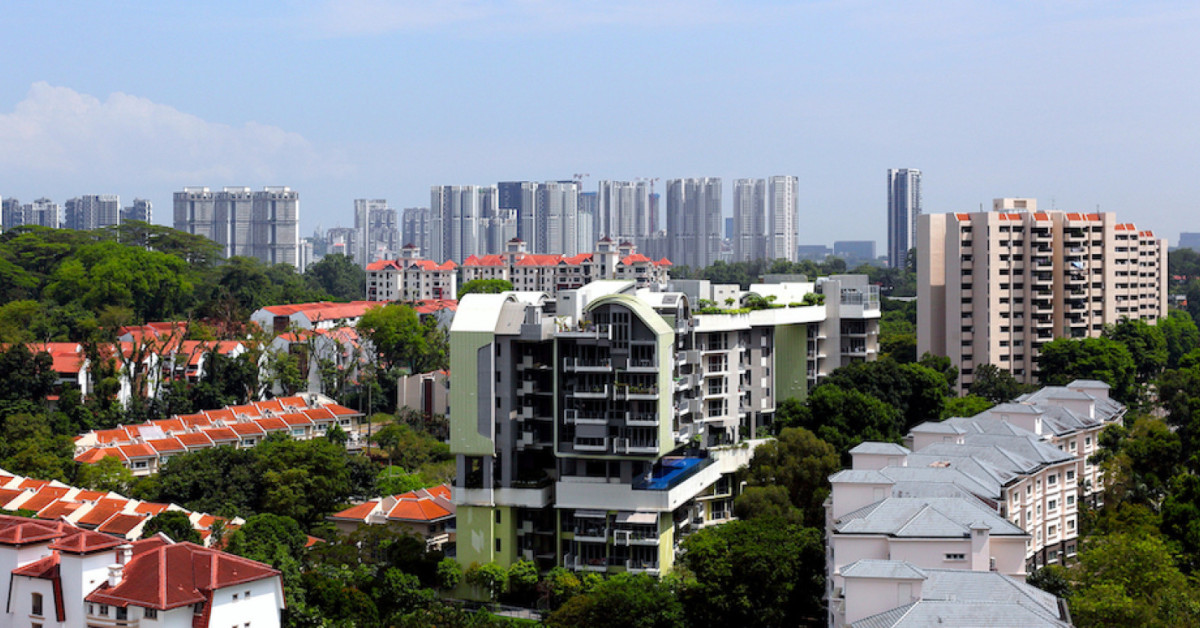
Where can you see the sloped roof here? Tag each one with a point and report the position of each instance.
(85, 542)
(356, 513)
(934, 517)
(179, 574)
(889, 569)
(101, 511)
(121, 523)
(889, 449)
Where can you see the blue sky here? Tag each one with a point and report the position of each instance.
(1080, 104)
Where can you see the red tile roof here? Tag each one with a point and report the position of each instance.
(90, 496)
(20, 531)
(57, 509)
(247, 429)
(340, 410)
(218, 434)
(103, 509)
(195, 440)
(9, 494)
(356, 513)
(271, 424)
(295, 418)
(34, 484)
(44, 497)
(274, 405)
(318, 414)
(85, 542)
(177, 575)
(294, 401)
(166, 445)
(121, 524)
(138, 450)
(150, 508)
(96, 454)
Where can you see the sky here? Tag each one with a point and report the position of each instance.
(1080, 104)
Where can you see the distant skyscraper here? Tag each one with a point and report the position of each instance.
(749, 219)
(44, 213)
(623, 211)
(92, 211)
(783, 193)
(557, 211)
(12, 215)
(141, 210)
(416, 229)
(585, 224)
(694, 221)
(904, 205)
(377, 231)
(455, 218)
(264, 224)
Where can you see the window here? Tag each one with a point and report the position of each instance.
(1052, 531)
(235, 597)
(122, 613)
(150, 613)
(497, 515)
(104, 610)
(36, 604)
(956, 556)
(1070, 500)
(1071, 472)
(1051, 480)
(1052, 505)
(498, 545)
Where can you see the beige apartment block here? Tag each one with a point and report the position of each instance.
(995, 286)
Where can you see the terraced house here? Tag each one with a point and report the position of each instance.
(596, 429)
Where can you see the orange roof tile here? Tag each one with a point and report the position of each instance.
(59, 508)
(44, 497)
(166, 445)
(318, 414)
(85, 542)
(195, 440)
(150, 508)
(418, 510)
(295, 418)
(101, 511)
(96, 454)
(138, 450)
(271, 424)
(356, 513)
(219, 434)
(247, 429)
(273, 405)
(32, 483)
(120, 523)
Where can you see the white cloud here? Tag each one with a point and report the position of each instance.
(56, 131)
(370, 17)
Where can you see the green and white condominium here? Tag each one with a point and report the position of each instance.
(595, 430)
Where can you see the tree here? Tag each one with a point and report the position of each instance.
(303, 479)
(966, 406)
(799, 462)
(1181, 335)
(218, 480)
(490, 577)
(1181, 518)
(267, 538)
(1126, 579)
(844, 418)
(1146, 344)
(917, 391)
(174, 524)
(995, 384)
(943, 365)
(397, 335)
(522, 581)
(484, 286)
(25, 377)
(29, 447)
(449, 574)
(338, 276)
(767, 502)
(623, 600)
(1066, 359)
(1053, 579)
(754, 573)
(106, 475)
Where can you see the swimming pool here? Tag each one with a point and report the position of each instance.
(669, 472)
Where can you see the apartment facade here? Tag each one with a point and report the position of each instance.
(783, 194)
(92, 211)
(553, 272)
(142, 210)
(377, 231)
(263, 224)
(694, 221)
(596, 429)
(749, 220)
(411, 278)
(998, 285)
(904, 211)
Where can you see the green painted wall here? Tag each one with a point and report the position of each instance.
(478, 531)
(791, 362)
(464, 369)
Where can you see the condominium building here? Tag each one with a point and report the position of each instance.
(141, 210)
(999, 491)
(749, 220)
(551, 273)
(996, 286)
(92, 211)
(623, 211)
(783, 193)
(904, 208)
(411, 278)
(694, 221)
(595, 429)
(262, 224)
(457, 214)
(377, 231)
(416, 229)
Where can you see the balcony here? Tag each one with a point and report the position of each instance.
(637, 393)
(585, 330)
(589, 392)
(594, 444)
(641, 366)
(641, 419)
(635, 446)
(591, 534)
(576, 417)
(642, 566)
(579, 365)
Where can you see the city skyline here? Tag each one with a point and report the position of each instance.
(368, 115)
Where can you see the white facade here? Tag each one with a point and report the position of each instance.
(783, 194)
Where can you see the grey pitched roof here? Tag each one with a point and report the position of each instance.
(955, 613)
(934, 517)
(958, 597)
(937, 427)
(860, 476)
(1089, 383)
(934, 476)
(891, 569)
(890, 449)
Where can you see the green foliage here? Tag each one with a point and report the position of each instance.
(338, 276)
(1053, 579)
(490, 577)
(449, 573)
(484, 286)
(1181, 335)
(25, 378)
(174, 524)
(29, 446)
(522, 581)
(754, 573)
(767, 502)
(402, 340)
(1147, 346)
(106, 475)
(966, 406)
(995, 384)
(302, 479)
(409, 448)
(800, 463)
(1066, 359)
(219, 480)
(268, 538)
(623, 600)
(917, 391)
(1125, 579)
(845, 417)
(1181, 518)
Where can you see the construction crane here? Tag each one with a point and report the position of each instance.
(579, 178)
